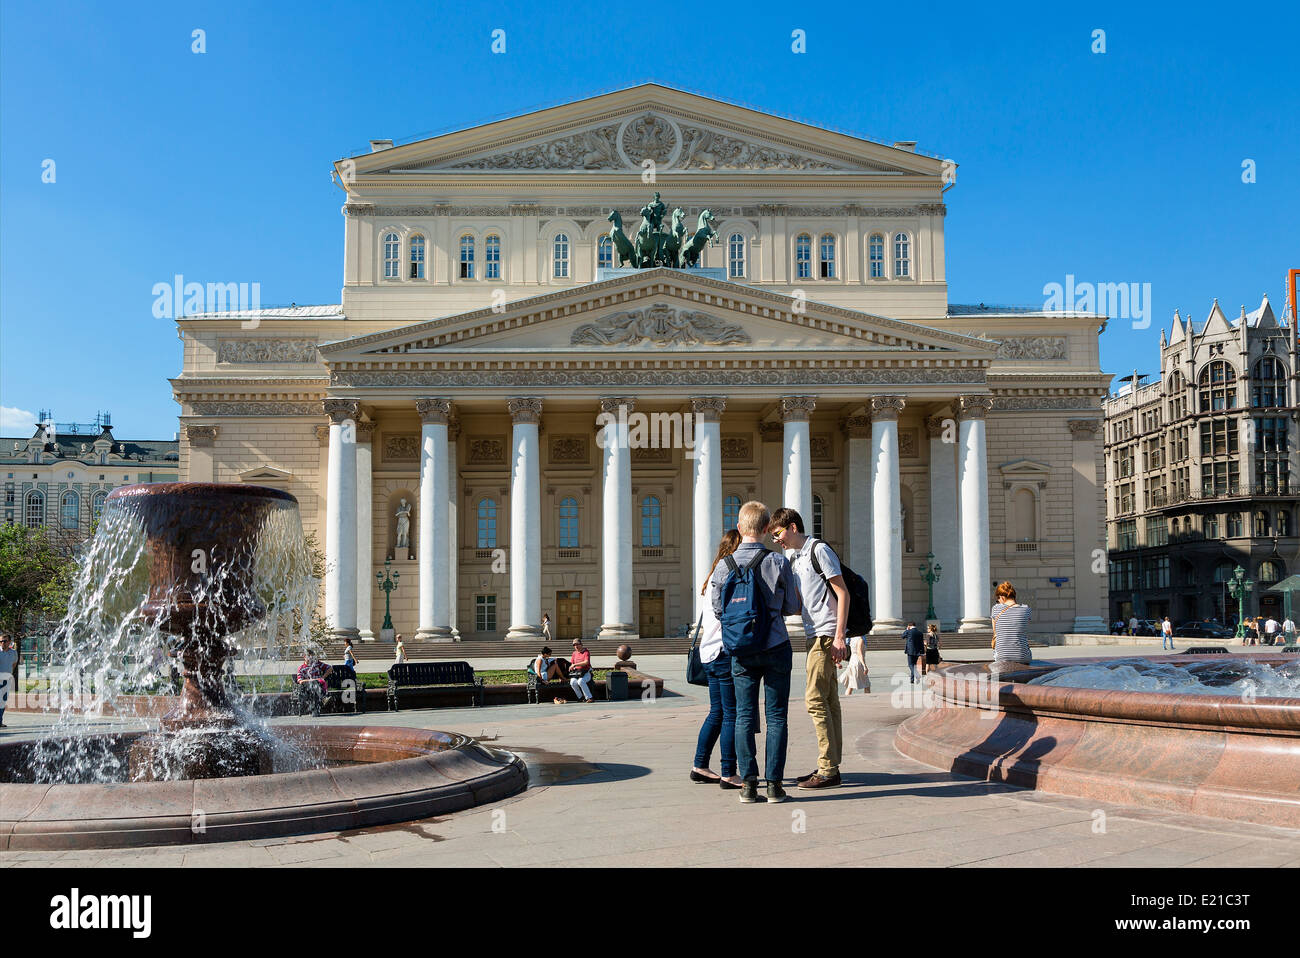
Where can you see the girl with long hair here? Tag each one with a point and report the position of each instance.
(720, 724)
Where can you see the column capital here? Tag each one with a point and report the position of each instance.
(453, 429)
(365, 432)
(709, 407)
(323, 435)
(934, 426)
(857, 427)
(201, 435)
(1084, 429)
(973, 407)
(886, 408)
(797, 408)
(611, 404)
(771, 431)
(341, 410)
(525, 410)
(436, 411)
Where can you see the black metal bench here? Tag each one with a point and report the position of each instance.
(341, 681)
(425, 675)
(540, 685)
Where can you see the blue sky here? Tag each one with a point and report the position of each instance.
(1122, 166)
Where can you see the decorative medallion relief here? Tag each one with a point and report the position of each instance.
(489, 451)
(251, 351)
(737, 448)
(569, 449)
(660, 326)
(197, 435)
(402, 447)
(822, 448)
(1033, 347)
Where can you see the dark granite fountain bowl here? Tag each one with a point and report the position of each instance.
(1215, 755)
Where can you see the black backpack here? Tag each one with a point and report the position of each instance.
(859, 618)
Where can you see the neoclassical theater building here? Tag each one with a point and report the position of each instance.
(443, 421)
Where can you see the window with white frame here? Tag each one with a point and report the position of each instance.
(827, 256)
(487, 524)
(569, 523)
(902, 255)
(736, 255)
(70, 510)
(651, 517)
(485, 613)
(392, 256)
(417, 257)
(876, 256)
(97, 505)
(604, 253)
(560, 256)
(492, 257)
(35, 510)
(467, 257)
(803, 256)
(730, 513)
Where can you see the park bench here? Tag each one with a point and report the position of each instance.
(539, 686)
(334, 687)
(425, 675)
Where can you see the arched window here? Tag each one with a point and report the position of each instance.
(1268, 383)
(392, 256)
(651, 534)
(876, 256)
(827, 247)
(1217, 386)
(569, 523)
(1261, 523)
(97, 505)
(902, 255)
(492, 257)
(560, 259)
(1283, 522)
(487, 524)
(417, 257)
(1024, 516)
(1270, 571)
(736, 255)
(730, 513)
(803, 256)
(35, 510)
(818, 517)
(70, 510)
(605, 253)
(1223, 572)
(467, 257)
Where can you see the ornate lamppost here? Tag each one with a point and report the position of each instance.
(1238, 586)
(387, 582)
(930, 571)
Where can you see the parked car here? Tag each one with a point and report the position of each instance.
(1148, 627)
(1202, 630)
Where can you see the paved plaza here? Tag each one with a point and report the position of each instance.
(610, 787)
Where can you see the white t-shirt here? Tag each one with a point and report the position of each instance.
(710, 635)
(1167, 627)
(1288, 626)
(1270, 626)
(819, 602)
(1133, 624)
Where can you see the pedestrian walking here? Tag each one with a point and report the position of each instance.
(546, 628)
(931, 657)
(1288, 631)
(400, 651)
(1010, 627)
(913, 648)
(1166, 634)
(719, 726)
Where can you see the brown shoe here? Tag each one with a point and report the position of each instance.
(817, 781)
(804, 778)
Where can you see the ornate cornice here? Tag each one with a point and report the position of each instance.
(710, 408)
(255, 409)
(797, 408)
(622, 377)
(886, 408)
(592, 212)
(525, 410)
(612, 403)
(973, 407)
(435, 411)
(341, 410)
(202, 436)
(1084, 429)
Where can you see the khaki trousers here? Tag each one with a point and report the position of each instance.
(822, 697)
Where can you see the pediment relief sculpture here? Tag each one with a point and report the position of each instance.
(660, 326)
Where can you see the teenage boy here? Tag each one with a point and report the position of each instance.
(771, 666)
(825, 615)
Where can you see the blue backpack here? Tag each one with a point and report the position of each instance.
(745, 618)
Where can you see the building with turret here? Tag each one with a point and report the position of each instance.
(1201, 469)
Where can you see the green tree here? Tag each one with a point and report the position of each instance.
(35, 578)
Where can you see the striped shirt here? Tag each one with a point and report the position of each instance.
(1010, 623)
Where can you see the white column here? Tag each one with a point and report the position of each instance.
(886, 516)
(707, 514)
(340, 519)
(365, 529)
(858, 494)
(617, 614)
(1089, 530)
(972, 479)
(525, 522)
(453, 529)
(943, 517)
(796, 456)
(435, 608)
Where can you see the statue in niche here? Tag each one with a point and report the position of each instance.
(404, 526)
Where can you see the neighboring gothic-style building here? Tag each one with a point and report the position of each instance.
(444, 415)
(1201, 468)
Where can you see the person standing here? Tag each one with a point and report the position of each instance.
(1271, 628)
(1166, 634)
(1010, 627)
(825, 616)
(546, 627)
(1133, 625)
(8, 673)
(349, 656)
(931, 658)
(779, 592)
(855, 677)
(400, 651)
(913, 648)
(1288, 631)
(719, 726)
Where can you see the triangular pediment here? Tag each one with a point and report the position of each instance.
(265, 476)
(621, 131)
(660, 312)
(1025, 470)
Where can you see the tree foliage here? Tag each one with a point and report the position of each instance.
(35, 578)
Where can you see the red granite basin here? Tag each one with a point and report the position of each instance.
(380, 775)
(1214, 755)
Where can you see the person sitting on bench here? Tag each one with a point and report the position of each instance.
(310, 681)
(548, 669)
(580, 672)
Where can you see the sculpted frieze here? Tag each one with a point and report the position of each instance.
(660, 326)
(249, 351)
(402, 448)
(206, 408)
(621, 378)
(1033, 347)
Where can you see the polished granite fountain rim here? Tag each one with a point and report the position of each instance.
(403, 774)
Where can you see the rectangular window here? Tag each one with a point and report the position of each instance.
(485, 613)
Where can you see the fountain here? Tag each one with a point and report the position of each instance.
(212, 569)
(1179, 733)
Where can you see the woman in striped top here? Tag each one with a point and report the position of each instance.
(1010, 627)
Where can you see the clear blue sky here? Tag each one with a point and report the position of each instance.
(1124, 166)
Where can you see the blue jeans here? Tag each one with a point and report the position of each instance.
(720, 724)
(1166, 639)
(772, 668)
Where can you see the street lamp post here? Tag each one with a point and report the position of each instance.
(1238, 586)
(930, 571)
(387, 582)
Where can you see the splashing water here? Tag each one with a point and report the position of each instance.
(1242, 677)
(250, 587)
